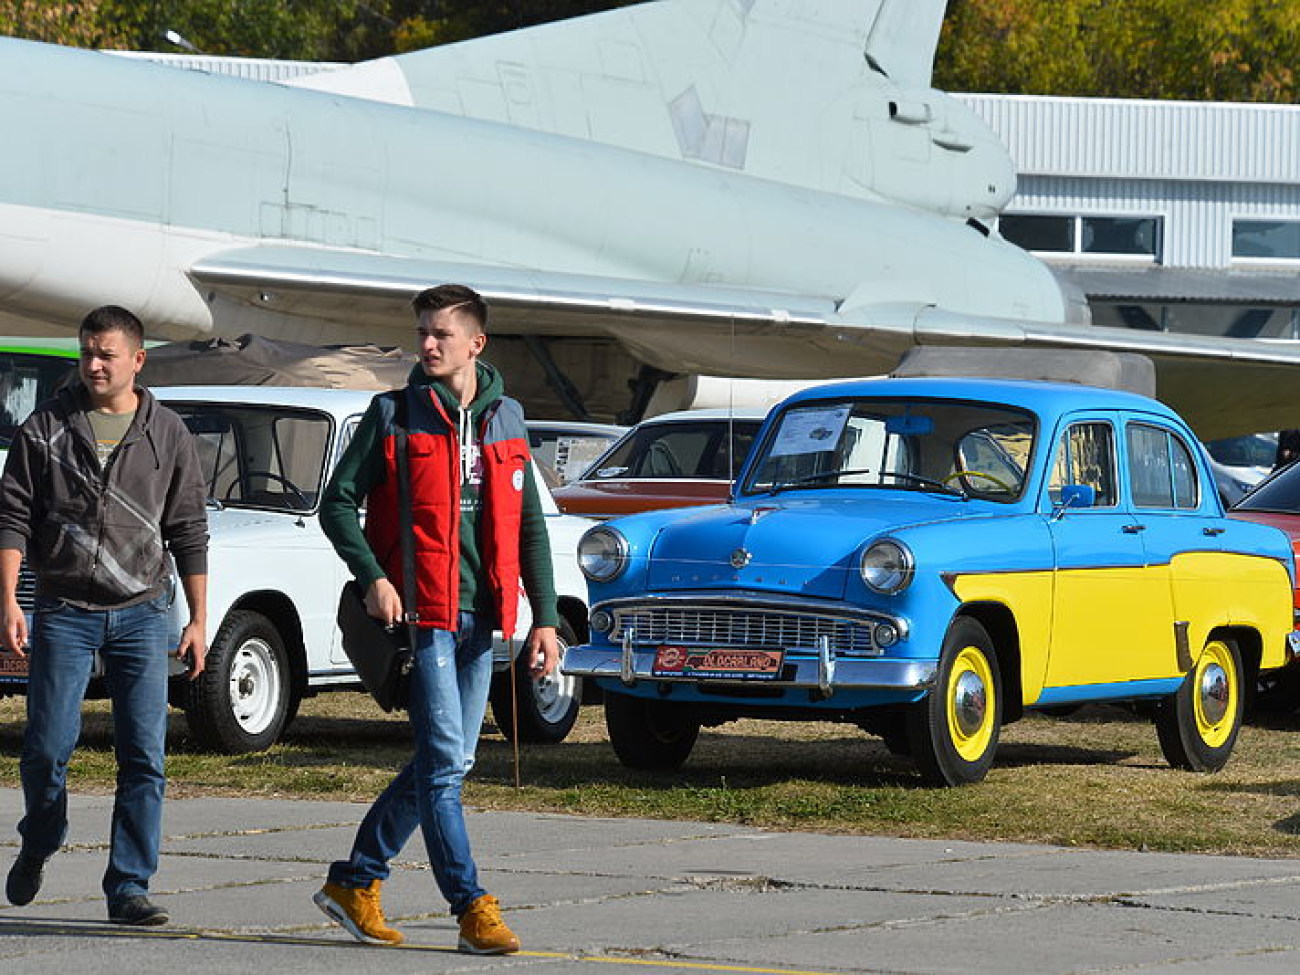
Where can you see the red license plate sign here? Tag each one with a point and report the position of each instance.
(734, 663)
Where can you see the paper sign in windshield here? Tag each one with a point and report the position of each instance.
(810, 431)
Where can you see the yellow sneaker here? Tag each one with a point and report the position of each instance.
(357, 910)
(482, 932)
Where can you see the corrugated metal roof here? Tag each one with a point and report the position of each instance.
(1168, 285)
(1107, 137)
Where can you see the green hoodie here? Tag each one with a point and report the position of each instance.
(362, 467)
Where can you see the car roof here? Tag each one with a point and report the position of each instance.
(710, 413)
(338, 401)
(577, 427)
(1038, 396)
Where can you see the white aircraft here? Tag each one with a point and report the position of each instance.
(756, 188)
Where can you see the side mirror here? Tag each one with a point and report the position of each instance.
(1076, 496)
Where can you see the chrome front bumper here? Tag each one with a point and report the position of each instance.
(823, 672)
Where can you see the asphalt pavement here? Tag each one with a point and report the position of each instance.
(597, 896)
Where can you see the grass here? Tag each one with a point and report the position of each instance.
(1096, 779)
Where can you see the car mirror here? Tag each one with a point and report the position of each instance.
(1076, 496)
(909, 425)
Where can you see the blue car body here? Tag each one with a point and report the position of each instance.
(863, 546)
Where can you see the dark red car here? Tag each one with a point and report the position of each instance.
(669, 461)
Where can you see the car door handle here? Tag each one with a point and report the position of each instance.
(1212, 531)
(1134, 529)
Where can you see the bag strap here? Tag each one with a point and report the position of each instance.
(408, 534)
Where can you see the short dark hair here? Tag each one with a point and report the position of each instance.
(453, 296)
(113, 318)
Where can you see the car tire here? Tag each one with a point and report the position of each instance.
(1198, 726)
(953, 733)
(538, 711)
(242, 700)
(650, 734)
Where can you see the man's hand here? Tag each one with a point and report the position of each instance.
(193, 649)
(383, 603)
(542, 651)
(13, 627)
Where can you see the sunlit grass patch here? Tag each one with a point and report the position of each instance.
(1093, 779)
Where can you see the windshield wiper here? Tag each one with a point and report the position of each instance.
(916, 479)
(926, 482)
(215, 504)
(819, 476)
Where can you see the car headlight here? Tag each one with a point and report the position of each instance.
(887, 566)
(602, 554)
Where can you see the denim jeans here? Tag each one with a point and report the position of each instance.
(133, 644)
(449, 692)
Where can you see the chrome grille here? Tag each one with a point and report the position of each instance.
(708, 626)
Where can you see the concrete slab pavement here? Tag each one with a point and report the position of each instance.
(591, 894)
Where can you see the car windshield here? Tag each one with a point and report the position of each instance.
(711, 449)
(969, 449)
(1280, 493)
(259, 456)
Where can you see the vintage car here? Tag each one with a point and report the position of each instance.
(565, 448)
(929, 558)
(274, 580)
(673, 460)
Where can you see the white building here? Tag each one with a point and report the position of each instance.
(1182, 216)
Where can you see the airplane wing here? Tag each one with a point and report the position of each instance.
(1221, 386)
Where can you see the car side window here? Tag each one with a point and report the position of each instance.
(1086, 455)
(1161, 471)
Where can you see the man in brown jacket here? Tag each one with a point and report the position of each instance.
(101, 492)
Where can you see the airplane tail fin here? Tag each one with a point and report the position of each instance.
(654, 74)
(833, 95)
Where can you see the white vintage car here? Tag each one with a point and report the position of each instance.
(274, 579)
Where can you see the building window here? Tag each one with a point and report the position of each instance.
(1120, 235)
(1269, 239)
(1038, 232)
(1059, 234)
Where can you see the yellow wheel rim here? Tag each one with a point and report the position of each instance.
(1216, 688)
(971, 707)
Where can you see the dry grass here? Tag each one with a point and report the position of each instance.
(1095, 779)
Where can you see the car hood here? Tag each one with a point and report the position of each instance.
(618, 496)
(232, 526)
(793, 545)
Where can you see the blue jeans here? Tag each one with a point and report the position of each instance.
(133, 644)
(449, 692)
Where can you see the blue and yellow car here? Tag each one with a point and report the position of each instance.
(929, 559)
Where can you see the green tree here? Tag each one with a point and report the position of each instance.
(76, 24)
(1230, 50)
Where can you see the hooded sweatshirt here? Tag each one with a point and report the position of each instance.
(98, 535)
